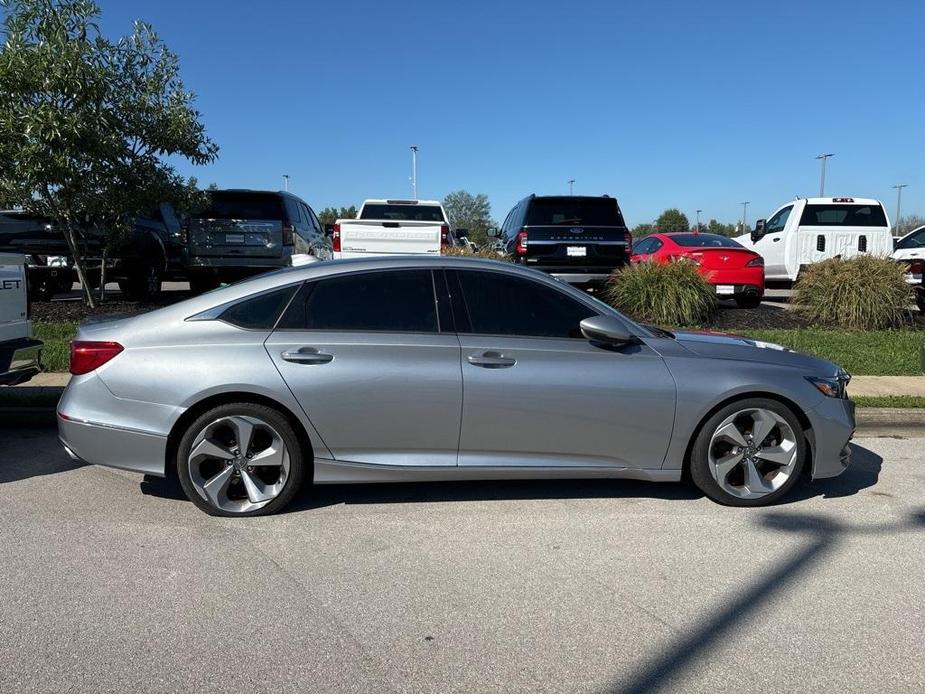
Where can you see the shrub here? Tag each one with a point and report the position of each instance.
(866, 292)
(670, 294)
(483, 252)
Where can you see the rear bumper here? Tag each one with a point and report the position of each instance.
(220, 262)
(101, 444)
(19, 361)
(740, 290)
(833, 426)
(580, 277)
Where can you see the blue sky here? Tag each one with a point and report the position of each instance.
(694, 105)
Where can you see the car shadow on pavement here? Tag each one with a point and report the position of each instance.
(490, 490)
(23, 456)
(862, 473)
(667, 668)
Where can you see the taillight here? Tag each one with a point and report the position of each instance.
(288, 234)
(520, 242)
(88, 356)
(916, 267)
(444, 235)
(335, 238)
(25, 276)
(755, 262)
(628, 238)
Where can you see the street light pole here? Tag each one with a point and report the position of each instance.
(744, 214)
(571, 183)
(899, 201)
(823, 157)
(698, 220)
(414, 172)
(286, 182)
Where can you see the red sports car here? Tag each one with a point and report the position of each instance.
(736, 272)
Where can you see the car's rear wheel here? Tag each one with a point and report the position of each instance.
(203, 283)
(749, 453)
(241, 459)
(142, 284)
(748, 301)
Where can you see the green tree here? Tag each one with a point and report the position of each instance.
(714, 227)
(672, 219)
(329, 215)
(471, 212)
(86, 123)
(641, 230)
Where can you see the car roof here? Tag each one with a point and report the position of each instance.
(397, 201)
(842, 200)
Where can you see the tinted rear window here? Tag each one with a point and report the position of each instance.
(244, 206)
(259, 312)
(392, 301)
(403, 213)
(573, 211)
(704, 241)
(843, 216)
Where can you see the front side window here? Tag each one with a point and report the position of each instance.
(499, 304)
(916, 240)
(778, 221)
(390, 301)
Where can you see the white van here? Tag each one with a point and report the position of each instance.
(808, 230)
(19, 353)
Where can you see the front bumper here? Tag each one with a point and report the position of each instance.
(833, 426)
(20, 360)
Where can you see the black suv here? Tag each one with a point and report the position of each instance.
(576, 238)
(246, 232)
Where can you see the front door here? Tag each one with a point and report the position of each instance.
(772, 246)
(364, 356)
(537, 393)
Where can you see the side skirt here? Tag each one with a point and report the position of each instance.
(336, 472)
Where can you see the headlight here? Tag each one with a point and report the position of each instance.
(836, 387)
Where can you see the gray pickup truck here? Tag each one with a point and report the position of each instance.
(19, 353)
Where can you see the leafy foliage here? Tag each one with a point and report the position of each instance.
(85, 122)
(908, 223)
(482, 252)
(329, 215)
(472, 212)
(672, 219)
(641, 230)
(865, 292)
(670, 294)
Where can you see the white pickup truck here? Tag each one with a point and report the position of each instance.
(19, 353)
(809, 230)
(392, 227)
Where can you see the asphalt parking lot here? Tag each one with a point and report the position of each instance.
(113, 583)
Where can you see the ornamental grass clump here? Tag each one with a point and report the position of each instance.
(861, 293)
(669, 294)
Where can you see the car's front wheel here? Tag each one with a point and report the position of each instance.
(749, 453)
(240, 459)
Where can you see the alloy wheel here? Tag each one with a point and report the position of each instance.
(238, 463)
(753, 453)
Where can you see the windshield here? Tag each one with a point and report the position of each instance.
(403, 213)
(704, 241)
(574, 211)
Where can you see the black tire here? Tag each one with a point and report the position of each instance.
(142, 284)
(920, 299)
(700, 465)
(203, 283)
(298, 466)
(748, 301)
(42, 288)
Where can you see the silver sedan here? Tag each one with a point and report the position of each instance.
(418, 368)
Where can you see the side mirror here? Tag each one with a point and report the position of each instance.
(493, 233)
(759, 230)
(605, 329)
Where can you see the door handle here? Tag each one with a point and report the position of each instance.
(775, 239)
(307, 355)
(491, 360)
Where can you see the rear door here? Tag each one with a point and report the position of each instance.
(239, 223)
(365, 356)
(539, 394)
(14, 321)
(575, 231)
